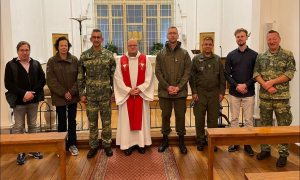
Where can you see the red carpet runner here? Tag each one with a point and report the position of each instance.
(151, 165)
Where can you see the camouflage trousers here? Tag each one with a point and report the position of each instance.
(284, 117)
(105, 114)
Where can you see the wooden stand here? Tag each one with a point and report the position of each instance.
(37, 142)
(247, 135)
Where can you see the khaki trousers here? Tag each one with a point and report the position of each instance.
(248, 110)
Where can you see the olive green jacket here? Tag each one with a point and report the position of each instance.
(207, 74)
(62, 78)
(173, 68)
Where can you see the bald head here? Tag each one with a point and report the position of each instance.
(132, 47)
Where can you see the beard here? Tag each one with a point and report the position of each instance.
(241, 43)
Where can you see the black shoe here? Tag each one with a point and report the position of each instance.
(36, 155)
(92, 152)
(140, 150)
(233, 148)
(182, 147)
(108, 151)
(248, 150)
(200, 146)
(215, 148)
(21, 159)
(281, 162)
(128, 151)
(263, 155)
(164, 144)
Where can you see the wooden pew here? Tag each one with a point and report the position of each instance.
(37, 142)
(248, 136)
(286, 175)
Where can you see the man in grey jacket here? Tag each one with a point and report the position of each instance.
(173, 68)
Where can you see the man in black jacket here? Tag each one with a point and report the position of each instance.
(24, 79)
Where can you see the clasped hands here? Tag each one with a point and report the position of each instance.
(173, 90)
(134, 91)
(29, 95)
(68, 96)
(268, 85)
(242, 88)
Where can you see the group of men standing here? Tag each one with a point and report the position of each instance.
(97, 80)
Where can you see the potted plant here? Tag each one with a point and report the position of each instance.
(110, 46)
(156, 48)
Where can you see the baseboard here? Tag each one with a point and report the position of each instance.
(295, 148)
(6, 130)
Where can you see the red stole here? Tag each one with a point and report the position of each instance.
(134, 103)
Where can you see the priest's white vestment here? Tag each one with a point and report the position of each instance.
(125, 137)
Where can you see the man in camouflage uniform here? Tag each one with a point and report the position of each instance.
(207, 83)
(95, 81)
(273, 70)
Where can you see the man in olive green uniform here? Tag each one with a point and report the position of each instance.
(273, 70)
(208, 88)
(173, 67)
(95, 82)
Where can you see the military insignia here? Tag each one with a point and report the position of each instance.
(209, 65)
(201, 68)
(200, 59)
(142, 65)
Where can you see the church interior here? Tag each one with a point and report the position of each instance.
(41, 23)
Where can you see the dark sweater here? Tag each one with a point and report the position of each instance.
(239, 70)
(34, 80)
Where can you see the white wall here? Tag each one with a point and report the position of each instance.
(236, 14)
(27, 25)
(222, 17)
(6, 55)
(288, 27)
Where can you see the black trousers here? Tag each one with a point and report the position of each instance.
(62, 121)
(166, 106)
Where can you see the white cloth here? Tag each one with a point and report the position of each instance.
(125, 137)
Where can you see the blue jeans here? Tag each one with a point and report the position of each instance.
(62, 121)
(20, 111)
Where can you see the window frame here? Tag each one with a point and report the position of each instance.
(144, 4)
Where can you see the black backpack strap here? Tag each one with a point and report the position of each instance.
(14, 68)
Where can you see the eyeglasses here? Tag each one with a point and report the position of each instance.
(133, 45)
(96, 37)
(24, 50)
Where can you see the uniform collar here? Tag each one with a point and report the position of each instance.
(268, 53)
(202, 56)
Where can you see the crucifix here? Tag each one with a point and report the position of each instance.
(80, 19)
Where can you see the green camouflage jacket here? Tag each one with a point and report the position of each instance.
(96, 71)
(270, 66)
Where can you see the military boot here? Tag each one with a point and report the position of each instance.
(164, 144)
(182, 147)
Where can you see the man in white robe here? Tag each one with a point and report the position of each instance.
(133, 134)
